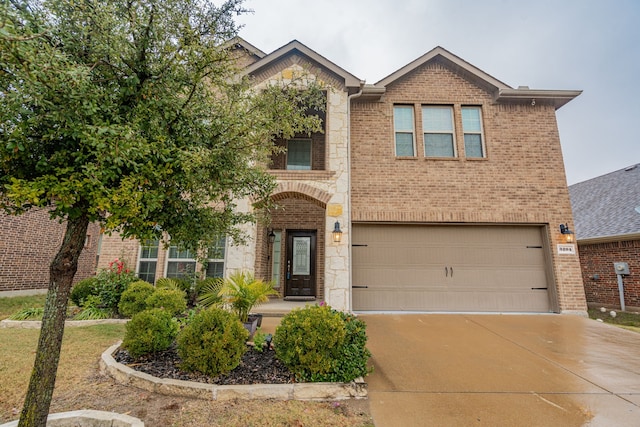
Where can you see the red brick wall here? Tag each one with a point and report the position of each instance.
(29, 242)
(598, 259)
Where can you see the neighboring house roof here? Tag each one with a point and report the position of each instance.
(240, 42)
(350, 81)
(607, 207)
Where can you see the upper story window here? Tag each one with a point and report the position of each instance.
(404, 131)
(148, 261)
(472, 128)
(437, 125)
(299, 154)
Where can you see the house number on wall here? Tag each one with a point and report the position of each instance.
(565, 249)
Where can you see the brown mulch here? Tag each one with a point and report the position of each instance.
(255, 368)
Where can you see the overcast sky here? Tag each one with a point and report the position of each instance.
(589, 45)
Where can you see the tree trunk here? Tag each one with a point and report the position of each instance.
(43, 376)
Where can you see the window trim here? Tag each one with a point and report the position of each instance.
(452, 132)
(141, 259)
(404, 131)
(222, 260)
(169, 260)
(480, 132)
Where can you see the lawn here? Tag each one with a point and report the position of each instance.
(627, 320)
(81, 386)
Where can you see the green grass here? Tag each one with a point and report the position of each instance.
(11, 305)
(626, 319)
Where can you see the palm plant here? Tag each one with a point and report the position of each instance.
(242, 292)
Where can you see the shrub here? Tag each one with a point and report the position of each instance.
(321, 344)
(209, 292)
(149, 331)
(172, 300)
(83, 289)
(91, 309)
(212, 343)
(112, 282)
(133, 299)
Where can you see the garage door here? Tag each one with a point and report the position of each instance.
(449, 268)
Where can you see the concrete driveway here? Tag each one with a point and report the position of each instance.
(502, 370)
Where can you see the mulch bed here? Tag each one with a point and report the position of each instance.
(255, 368)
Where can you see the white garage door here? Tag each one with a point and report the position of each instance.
(449, 268)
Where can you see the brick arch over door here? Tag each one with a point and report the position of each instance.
(298, 190)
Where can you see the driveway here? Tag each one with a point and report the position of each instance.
(502, 370)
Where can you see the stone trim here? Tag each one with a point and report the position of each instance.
(298, 391)
(87, 417)
(36, 324)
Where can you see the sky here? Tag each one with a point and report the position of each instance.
(588, 45)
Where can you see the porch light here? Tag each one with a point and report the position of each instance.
(271, 236)
(337, 233)
(566, 233)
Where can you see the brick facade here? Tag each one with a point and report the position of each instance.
(28, 244)
(600, 279)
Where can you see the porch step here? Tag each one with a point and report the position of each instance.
(299, 298)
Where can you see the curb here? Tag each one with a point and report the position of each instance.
(356, 389)
(87, 417)
(36, 324)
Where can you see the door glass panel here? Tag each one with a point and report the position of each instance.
(276, 256)
(301, 256)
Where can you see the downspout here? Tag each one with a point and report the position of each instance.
(349, 98)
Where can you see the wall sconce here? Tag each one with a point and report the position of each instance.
(337, 233)
(566, 233)
(271, 236)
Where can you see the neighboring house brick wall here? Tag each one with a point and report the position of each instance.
(598, 259)
(29, 242)
(520, 181)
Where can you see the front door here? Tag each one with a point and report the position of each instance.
(300, 276)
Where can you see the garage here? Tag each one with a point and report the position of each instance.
(468, 268)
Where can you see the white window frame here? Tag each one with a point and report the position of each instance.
(470, 132)
(451, 131)
(177, 260)
(147, 260)
(411, 132)
(294, 140)
(219, 260)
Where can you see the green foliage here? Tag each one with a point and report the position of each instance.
(242, 292)
(168, 283)
(112, 282)
(91, 309)
(133, 299)
(172, 300)
(83, 289)
(209, 293)
(260, 341)
(212, 343)
(149, 331)
(31, 313)
(320, 344)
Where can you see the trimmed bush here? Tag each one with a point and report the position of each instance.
(172, 300)
(320, 344)
(83, 289)
(212, 343)
(133, 300)
(149, 331)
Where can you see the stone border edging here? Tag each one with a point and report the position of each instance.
(36, 324)
(87, 417)
(297, 391)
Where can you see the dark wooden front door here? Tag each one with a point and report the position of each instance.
(300, 273)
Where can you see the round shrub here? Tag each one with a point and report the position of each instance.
(133, 300)
(172, 300)
(212, 343)
(149, 331)
(83, 289)
(320, 344)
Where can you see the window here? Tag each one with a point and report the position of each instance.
(148, 261)
(472, 128)
(403, 127)
(299, 154)
(276, 256)
(437, 125)
(215, 261)
(181, 263)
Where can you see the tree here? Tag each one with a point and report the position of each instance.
(131, 114)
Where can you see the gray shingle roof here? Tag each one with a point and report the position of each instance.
(605, 206)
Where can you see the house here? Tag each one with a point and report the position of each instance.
(606, 211)
(444, 186)
(28, 244)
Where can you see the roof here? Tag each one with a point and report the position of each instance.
(296, 47)
(608, 206)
